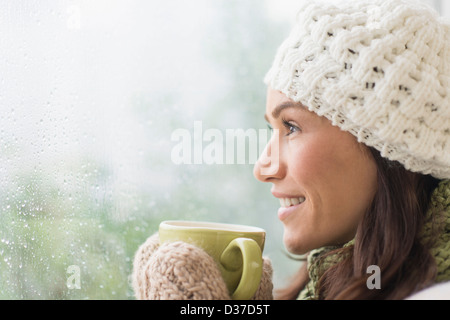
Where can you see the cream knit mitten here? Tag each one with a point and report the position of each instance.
(181, 271)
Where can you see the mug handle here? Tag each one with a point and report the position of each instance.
(251, 266)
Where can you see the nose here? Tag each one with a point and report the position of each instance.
(269, 166)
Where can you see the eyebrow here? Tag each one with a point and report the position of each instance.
(284, 105)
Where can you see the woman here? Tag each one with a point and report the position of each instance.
(357, 207)
(359, 100)
(377, 70)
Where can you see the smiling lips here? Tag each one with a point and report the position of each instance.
(288, 205)
(288, 202)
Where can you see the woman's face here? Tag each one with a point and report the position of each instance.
(324, 178)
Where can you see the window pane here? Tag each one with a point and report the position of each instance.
(91, 93)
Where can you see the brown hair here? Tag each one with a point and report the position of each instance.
(388, 236)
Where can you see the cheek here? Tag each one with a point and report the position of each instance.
(333, 164)
(339, 186)
(310, 163)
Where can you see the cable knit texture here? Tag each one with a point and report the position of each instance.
(378, 69)
(181, 271)
(440, 212)
(437, 222)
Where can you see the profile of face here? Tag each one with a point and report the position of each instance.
(325, 180)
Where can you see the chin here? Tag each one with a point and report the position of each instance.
(300, 241)
(295, 244)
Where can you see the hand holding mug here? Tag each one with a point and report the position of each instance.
(192, 260)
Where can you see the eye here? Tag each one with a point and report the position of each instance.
(291, 128)
(269, 127)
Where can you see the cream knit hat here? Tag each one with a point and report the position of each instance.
(378, 69)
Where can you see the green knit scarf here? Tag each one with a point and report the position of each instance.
(439, 210)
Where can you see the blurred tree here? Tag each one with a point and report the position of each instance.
(87, 210)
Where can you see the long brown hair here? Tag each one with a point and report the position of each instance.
(388, 236)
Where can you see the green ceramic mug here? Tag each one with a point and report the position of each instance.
(237, 249)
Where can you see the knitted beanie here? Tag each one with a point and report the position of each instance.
(379, 69)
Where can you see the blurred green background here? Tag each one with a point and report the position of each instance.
(91, 92)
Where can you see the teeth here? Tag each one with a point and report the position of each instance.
(287, 202)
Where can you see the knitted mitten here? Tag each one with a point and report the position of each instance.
(181, 271)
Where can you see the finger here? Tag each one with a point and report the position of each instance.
(180, 271)
(141, 258)
(265, 290)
